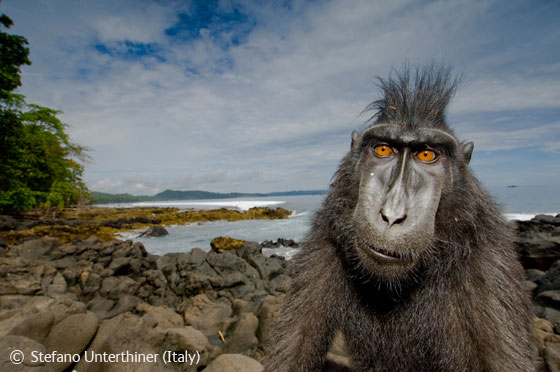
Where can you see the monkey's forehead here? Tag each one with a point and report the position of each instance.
(407, 136)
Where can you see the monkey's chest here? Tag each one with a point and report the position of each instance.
(403, 342)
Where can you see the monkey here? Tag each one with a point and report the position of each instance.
(408, 256)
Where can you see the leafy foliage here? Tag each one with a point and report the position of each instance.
(38, 163)
(13, 54)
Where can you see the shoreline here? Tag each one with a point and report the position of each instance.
(107, 222)
(94, 296)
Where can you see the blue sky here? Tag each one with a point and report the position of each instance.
(257, 96)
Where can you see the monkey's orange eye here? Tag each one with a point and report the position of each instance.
(383, 151)
(427, 156)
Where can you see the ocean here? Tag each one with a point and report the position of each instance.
(522, 203)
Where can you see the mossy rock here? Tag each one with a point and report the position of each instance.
(100, 221)
(226, 243)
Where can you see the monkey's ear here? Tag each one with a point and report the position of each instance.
(355, 139)
(467, 149)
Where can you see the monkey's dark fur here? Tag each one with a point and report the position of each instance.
(460, 306)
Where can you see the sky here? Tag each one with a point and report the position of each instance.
(262, 96)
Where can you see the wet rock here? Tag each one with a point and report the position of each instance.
(249, 248)
(268, 268)
(237, 276)
(547, 219)
(127, 222)
(154, 231)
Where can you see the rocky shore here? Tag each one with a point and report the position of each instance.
(78, 303)
(106, 222)
(538, 245)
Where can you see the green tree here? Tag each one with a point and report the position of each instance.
(38, 163)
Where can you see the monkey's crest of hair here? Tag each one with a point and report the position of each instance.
(415, 99)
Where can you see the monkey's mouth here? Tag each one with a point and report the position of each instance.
(385, 256)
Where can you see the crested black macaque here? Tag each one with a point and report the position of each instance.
(408, 256)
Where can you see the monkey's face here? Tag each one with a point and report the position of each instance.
(401, 175)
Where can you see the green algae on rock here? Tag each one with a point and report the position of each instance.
(226, 243)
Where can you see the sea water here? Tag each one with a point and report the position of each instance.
(184, 238)
(521, 203)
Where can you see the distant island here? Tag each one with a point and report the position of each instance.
(167, 195)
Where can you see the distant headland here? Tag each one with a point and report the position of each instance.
(106, 198)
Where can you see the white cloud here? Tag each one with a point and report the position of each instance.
(260, 114)
(505, 93)
(144, 23)
(542, 138)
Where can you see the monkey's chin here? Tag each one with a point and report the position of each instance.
(384, 263)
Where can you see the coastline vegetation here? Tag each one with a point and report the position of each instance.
(39, 164)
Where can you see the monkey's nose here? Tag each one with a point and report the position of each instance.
(392, 217)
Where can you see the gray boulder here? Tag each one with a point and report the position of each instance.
(71, 336)
(234, 363)
(208, 316)
(154, 231)
(243, 338)
(268, 315)
(36, 326)
(33, 249)
(150, 334)
(9, 344)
